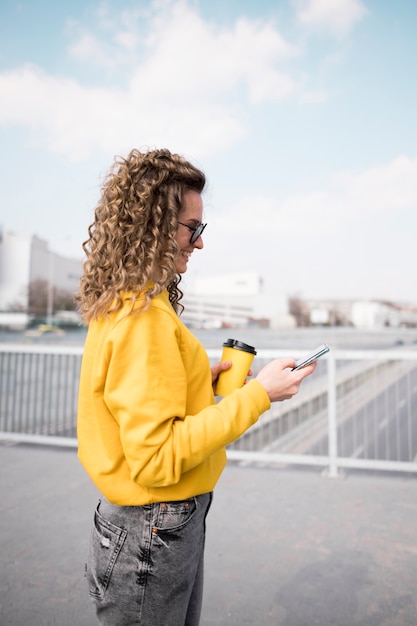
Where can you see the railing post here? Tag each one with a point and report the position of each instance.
(332, 417)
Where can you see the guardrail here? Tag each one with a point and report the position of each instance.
(38, 393)
(358, 410)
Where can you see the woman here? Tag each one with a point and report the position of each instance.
(151, 435)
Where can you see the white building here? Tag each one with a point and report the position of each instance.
(245, 285)
(201, 312)
(26, 258)
(225, 300)
(377, 314)
(361, 313)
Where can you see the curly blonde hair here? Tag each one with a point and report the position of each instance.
(132, 238)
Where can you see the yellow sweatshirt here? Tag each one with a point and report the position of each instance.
(149, 429)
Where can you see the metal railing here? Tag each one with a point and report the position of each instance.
(358, 410)
(38, 393)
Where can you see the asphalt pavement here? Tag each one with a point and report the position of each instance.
(285, 547)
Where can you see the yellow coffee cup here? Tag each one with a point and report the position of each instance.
(241, 355)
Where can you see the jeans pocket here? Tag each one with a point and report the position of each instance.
(172, 516)
(106, 543)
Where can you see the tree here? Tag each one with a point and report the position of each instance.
(62, 299)
(38, 297)
(299, 309)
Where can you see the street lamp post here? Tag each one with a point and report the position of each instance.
(50, 292)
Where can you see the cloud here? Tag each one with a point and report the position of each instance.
(334, 16)
(188, 56)
(378, 191)
(374, 194)
(314, 97)
(88, 47)
(182, 89)
(114, 42)
(350, 238)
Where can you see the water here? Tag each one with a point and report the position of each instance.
(260, 338)
(310, 338)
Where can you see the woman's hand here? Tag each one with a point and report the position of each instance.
(217, 369)
(222, 366)
(280, 381)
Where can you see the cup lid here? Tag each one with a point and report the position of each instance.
(239, 345)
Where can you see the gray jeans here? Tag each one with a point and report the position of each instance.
(145, 563)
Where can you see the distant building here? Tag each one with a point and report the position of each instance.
(328, 312)
(245, 285)
(222, 301)
(360, 313)
(200, 312)
(376, 314)
(235, 300)
(27, 258)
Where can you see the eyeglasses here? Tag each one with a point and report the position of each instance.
(196, 231)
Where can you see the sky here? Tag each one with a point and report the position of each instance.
(302, 114)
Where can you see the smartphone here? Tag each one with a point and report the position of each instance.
(313, 356)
